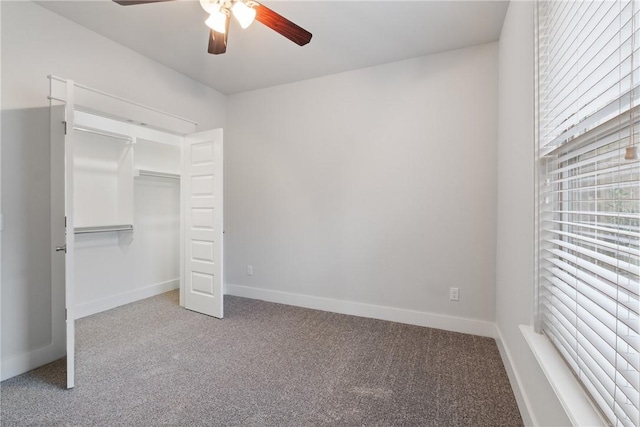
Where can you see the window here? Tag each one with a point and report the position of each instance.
(588, 222)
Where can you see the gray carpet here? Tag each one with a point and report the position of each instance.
(152, 363)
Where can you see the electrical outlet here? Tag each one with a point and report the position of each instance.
(249, 270)
(454, 294)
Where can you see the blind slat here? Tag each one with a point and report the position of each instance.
(613, 262)
(631, 286)
(595, 227)
(599, 242)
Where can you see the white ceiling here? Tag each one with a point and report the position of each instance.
(347, 35)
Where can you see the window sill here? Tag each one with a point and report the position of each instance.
(573, 398)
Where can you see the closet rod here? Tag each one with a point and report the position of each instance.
(143, 172)
(51, 98)
(102, 229)
(110, 135)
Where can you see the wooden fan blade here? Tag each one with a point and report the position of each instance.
(282, 25)
(218, 41)
(132, 2)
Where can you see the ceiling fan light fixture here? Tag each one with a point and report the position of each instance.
(210, 6)
(243, 13)
(218, 21)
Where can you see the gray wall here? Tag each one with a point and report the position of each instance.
(375, 186)
(515, 238)
(35, 43)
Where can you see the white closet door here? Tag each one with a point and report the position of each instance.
(69, 238)
(66, 155)
(202, 173)
(58, 233)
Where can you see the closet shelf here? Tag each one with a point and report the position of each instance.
(156, 174)
(103, 228)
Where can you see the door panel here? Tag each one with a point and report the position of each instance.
(58, 259)
(62, 235)
(69, 235)
(202, 221)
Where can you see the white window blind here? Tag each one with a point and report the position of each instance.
(588, 222)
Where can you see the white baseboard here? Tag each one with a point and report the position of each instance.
(97, 306)
(25, 362)
(411, 317)
(516, 384)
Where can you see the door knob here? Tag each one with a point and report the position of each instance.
(62, 248)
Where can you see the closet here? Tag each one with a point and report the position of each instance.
(136, 208)
(126, 212)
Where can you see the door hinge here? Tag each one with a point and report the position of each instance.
(65, 127)
(65, 222)
(65, 314)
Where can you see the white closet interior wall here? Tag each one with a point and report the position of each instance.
(120, 181)
(103, 180)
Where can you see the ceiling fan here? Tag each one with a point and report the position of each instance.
(245, 11)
